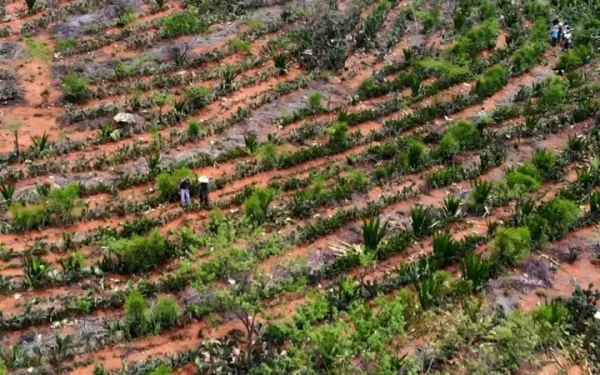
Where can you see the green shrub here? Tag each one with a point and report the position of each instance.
(437, 67)
(267, 155)
(575, 57)
(63, 201)
(141, 253)
(257, 204)
(536, 9)
(417, 153)
(561, 214)
(357, 180)
(466, 134)
(28, 217)
(75, 88)
(476, 40)
(516, 341)
(554, 92)
(240, 45)
(183, 23)
(135, 311)
(168, 183)
(491, 81)
(448, 148)
(338, 135)
(511, 245)
(520, 181)
(198, 97)
(314, 100)
(166, 313)
(538, 229)
(161, 370)
(431, 19)
(66, 45)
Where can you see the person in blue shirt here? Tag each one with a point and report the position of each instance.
(555, 34)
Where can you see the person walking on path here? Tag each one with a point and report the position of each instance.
(554, 35)
(204, 190)
(567, 40)
(184, 188)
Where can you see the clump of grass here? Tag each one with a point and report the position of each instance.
(240, 45)
(66, 45)
(75, 88)
(38, 49)
(184, 23)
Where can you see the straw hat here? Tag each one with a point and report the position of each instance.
(203, 180)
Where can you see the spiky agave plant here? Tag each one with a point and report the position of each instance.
(7, 190)
(451, 206)
(280, 62)
(40, 143)
(476, 269)
(36, 271)
(415, 84)
(423, 220)
(373, 232)
(445, 249)
(62, 349)
(576, 147)
(251, 142)
(31, 5)
(523, 209)
(153, 162)
(480, 194)
(428, 292)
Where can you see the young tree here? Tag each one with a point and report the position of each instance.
(160, 100)
(14, 128)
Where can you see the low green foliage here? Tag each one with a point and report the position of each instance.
(38, 49)
(66, 45)
(240, 45)
(75, 88)
(257, 204)
(28, 217)
(475, 40)
(491, 81)
(183, 23)
(135, 312)
(141, 253)
(511, 245)
(560, 214)
(554, 92)
(338, 135)
(166, 313)
(575, 57)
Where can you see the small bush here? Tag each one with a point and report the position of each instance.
(448, 71)
(257, 204)
(198, 97)
(575, 57)
(448, 148)
(75, 88)
(561, 214)
(466, 134)
(193, 130)
(357, 180)
(168, 183)
(28, 217)
(314, 100)
(511, 245)
(141, 253)
(166, 313)
(240, 45)
(184, 23)
(536, 9)
(66, 45)
(338, 135)
(135, 311)
(521, 182)
(63, 201)
(417, 153)
(161, 370)
(476, 40)
(431, 19)
(267, 155)
(554, 92)
(491, 81)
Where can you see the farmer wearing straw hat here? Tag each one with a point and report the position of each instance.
(204, 190)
